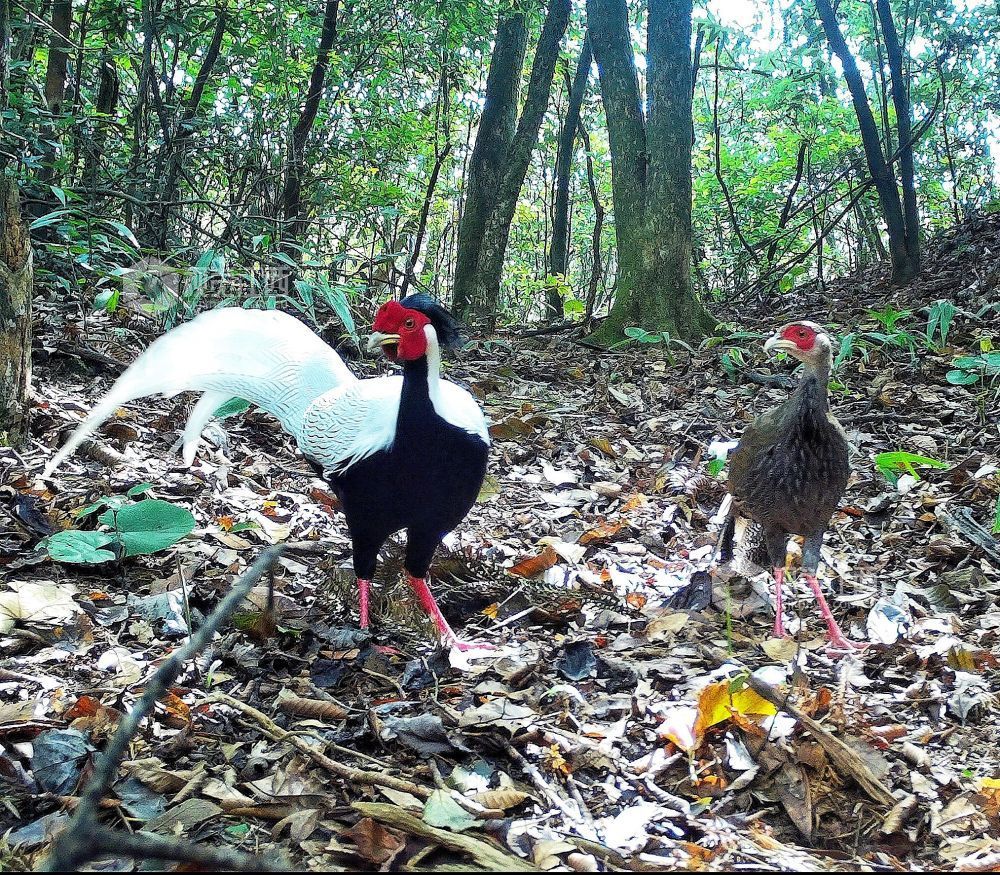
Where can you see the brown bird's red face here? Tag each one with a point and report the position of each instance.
(399, 331)
(802, 335)
(803, 340)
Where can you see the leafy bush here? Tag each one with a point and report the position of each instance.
(135, 529)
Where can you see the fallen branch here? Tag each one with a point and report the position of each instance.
(844, 759)
(963, 522)
(491, 858)
(355, 776)
(84, 839)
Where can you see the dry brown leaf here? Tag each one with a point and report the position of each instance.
(535, 565)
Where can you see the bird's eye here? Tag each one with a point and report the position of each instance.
(409, 323)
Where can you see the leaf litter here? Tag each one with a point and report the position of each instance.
(638, 714)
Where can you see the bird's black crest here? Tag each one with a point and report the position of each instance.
(448, 328)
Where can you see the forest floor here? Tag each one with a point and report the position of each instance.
(624, 723)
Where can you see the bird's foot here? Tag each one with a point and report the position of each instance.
(779, 628)
(842, 645)
(463, 646)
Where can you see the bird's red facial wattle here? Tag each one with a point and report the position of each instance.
(399, 331)
(801, 335)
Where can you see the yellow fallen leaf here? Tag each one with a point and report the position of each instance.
(717, 703)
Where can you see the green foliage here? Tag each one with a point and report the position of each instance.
(148, 526)
(136, 528)
(232, 407)
(940, 315)
(892, 465)
(79, 547)
(382, 122)
(663, 338)
(969, 369)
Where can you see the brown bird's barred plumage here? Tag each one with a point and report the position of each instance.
(790, 469)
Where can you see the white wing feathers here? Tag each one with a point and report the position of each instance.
(352, 422)
(274, 361)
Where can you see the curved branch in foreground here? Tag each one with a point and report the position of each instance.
(84, 839)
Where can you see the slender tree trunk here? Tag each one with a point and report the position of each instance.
(559, 252)
(59, 44)
(178, 143)
(489, 154)
(55, 86)
(15, 305)
(786, 210)
(536, 101)
(903, 268)
(608, 26)
(106, 106)
(292, 209)
(949, 156)
(425, 209)
(596, 266)
(904, 134)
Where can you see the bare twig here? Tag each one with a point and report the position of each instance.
(355, 776)
(84, 840)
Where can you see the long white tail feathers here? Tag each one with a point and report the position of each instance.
(201, 413)
(267, 357)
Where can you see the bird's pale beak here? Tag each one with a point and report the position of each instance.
(377, 339)
(777, 343)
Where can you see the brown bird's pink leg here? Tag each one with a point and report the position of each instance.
(430, 605)
(363, 586)
(837, 638)
(779, 623)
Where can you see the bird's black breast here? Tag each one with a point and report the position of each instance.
(426, 481)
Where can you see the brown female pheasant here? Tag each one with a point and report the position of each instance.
(790, 469)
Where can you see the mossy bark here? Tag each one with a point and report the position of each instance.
(651, 170)
(15, 317)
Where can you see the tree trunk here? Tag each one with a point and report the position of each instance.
(292, 210)
(489, 154)
(651, 170)
(4, 64)
(901, 103)
(106, 106)
(559, 252)
(15, 313)
(425, 210)
(536, 101)
(55, 86)
(55, 71)
(903, 269)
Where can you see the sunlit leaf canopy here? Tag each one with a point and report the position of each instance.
(405, 86)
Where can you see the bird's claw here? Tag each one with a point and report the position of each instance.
(465, 646)
(838, 644)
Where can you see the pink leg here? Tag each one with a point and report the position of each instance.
(838, 640)
(430, 605)
(779, 622)
(363, 586)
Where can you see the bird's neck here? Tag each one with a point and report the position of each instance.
(421, 382)
(814, 386)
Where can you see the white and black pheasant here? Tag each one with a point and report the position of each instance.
(401, 452)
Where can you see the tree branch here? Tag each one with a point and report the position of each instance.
(84, 840)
